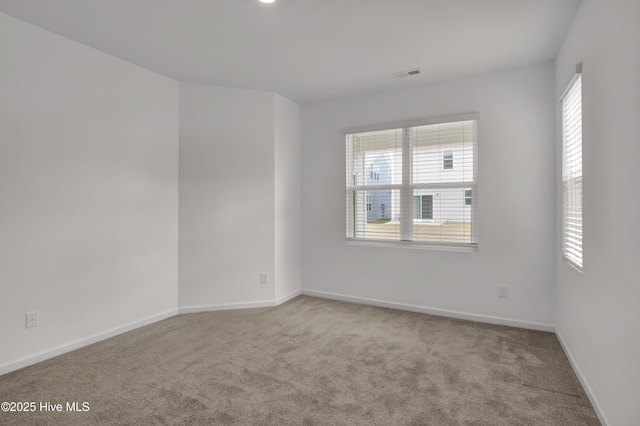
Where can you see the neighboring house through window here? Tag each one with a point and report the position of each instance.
(397, 190)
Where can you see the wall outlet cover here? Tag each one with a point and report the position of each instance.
(31, 319)
(503, 291)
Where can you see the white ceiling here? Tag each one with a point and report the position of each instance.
(309, 50)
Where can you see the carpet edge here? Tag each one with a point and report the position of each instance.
(239, 305)
(432, 311)
(80, 343)
(583, 380)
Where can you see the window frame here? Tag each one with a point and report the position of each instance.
(446, 160)
(412, 244)
(421, 207)
(468, 198)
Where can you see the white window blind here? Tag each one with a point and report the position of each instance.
(572, 173)
(412, 197)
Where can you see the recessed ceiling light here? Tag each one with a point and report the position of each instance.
(267, 1)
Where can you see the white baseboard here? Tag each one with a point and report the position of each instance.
(77, 344)
(226, 306)
(432, 311)
(582, 379)
(240, 305)
(286, 298)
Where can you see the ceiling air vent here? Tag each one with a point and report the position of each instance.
(407, 73)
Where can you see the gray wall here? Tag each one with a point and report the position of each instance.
(597, 312)
(515, 189)
(89, 184)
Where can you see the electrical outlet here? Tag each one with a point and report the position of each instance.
(503, 291)
(264, 278)
(31, 319)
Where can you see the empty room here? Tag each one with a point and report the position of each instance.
(320, 212)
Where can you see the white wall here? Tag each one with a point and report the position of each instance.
(598, 311)
(515, 189)
(227, 223)
(239, 197)
(89, 195)
(287, 194)
(88, 192)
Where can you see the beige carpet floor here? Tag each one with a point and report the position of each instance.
(309, 361)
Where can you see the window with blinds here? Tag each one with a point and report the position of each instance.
(414, 184)
(572, 173)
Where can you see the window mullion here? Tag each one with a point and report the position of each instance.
(406, 192)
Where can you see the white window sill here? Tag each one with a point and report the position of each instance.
(467, 248)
